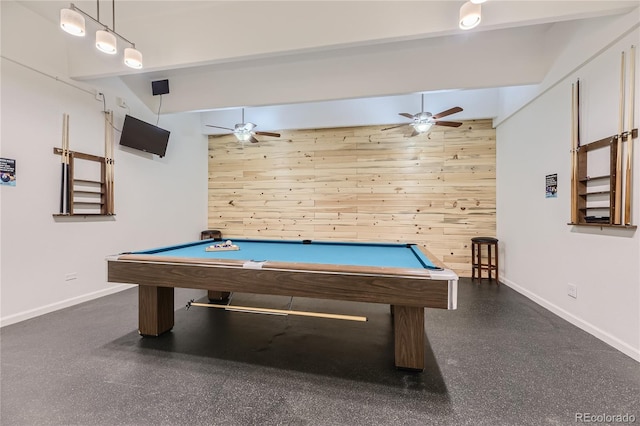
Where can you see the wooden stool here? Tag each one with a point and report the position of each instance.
(211, 233)
(476, 257)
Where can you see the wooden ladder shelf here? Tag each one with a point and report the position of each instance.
(86, 194)
(92, 195)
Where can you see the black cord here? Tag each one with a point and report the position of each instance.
(112, 126)
(159, 107)
(104, 110)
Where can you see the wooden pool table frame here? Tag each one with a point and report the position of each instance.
(408, 291)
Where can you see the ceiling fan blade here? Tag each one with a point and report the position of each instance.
(253, 140)
(275, 135)
(447, 112)
(395, 127)
(406, 114)
(218, 127)
(448, 123)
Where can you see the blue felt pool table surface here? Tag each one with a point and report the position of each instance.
(406, 256)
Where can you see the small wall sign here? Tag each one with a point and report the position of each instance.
(551, 183)
(7, 172)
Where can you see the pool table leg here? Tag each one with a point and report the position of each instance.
(408, 330)
(155, 310)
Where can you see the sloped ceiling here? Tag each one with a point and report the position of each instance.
(228, 54)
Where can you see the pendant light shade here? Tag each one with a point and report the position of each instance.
(106, 42)
(470, 15)
(132, 58)
(72, 22)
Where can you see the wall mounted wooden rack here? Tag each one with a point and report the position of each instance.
(580, 206)
(87, 197)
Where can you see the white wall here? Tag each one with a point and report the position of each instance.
(157, 201)
(541, 254)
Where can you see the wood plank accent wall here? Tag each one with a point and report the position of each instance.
(359, 184)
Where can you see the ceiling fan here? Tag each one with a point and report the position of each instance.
(244, 131)
(422, 121)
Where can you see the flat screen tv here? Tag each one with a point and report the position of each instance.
(144, 136)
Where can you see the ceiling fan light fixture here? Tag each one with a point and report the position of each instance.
(422, 127)
(470, 15)
(106, 42)
(242, 136)
(72, 22)
(132, 58)
(477, 1)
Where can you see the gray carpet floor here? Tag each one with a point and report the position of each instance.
(499, 359)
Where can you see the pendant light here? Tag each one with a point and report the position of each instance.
(72, 21)
(106, 42)
(470, 15)
(132, 58)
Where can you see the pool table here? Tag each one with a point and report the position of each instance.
(405, 276)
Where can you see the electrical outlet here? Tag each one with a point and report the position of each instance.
(121, 102)
(572, 290)
(99, 96)
(71, 276)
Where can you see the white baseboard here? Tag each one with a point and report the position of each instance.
(578, 322)
(32, 313)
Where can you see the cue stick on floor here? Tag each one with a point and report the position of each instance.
(630, 112)
(278, 311)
